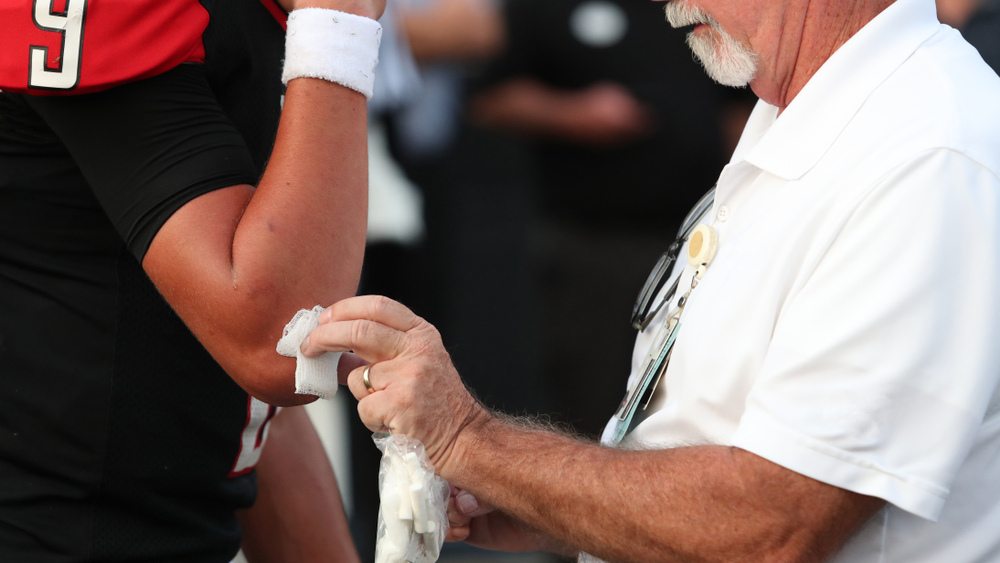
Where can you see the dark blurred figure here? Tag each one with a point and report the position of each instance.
(477, 203)
(615, 105)
(979, 22)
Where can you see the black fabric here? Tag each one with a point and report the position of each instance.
(149, 147)
(648, 183)
(607, 211)
(118, 431)
(983, 31)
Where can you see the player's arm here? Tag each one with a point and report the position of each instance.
(298, 515)
(236, 263)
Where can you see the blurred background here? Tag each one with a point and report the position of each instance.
(530, 160)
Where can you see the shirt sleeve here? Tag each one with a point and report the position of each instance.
(884, 364)
(146, 148)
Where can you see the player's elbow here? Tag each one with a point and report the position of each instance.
(265, 375)
(244, 340)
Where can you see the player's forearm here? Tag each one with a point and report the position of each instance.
(298, 515)
(301, 239)
(687, 504)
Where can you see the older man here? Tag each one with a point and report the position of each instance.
(831, 388)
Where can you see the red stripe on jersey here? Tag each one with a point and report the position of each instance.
(80, 46)
(259, 415)
(279, 13)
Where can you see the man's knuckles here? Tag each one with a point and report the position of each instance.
(369, 416)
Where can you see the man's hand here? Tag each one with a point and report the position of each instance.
(368, 8)
(482, 525)
(416, 390)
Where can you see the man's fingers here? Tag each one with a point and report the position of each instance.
(356, 384)
(369, 416)
(380, 374)
(457, 533)
(370, 340)
(455, 517)
(467, 504)
(380, 411)
(458, 523)
(373, 308)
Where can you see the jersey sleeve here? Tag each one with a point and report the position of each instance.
(148, 147)
(78, 46)
(884, 365)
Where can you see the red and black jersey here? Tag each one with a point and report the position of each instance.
(120, 438)
(88, 45)
(81, 46)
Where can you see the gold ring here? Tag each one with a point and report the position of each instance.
(366, 379)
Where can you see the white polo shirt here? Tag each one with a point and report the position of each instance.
(849, 326)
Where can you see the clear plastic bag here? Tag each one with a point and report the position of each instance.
(412, 517)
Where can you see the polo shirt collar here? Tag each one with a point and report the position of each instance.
(789, 145)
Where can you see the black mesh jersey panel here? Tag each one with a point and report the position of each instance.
(117, 430)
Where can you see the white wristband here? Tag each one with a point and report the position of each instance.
(334, 46)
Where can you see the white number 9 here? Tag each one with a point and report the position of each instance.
(69, 25)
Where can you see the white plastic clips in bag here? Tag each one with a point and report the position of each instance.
(412, 518)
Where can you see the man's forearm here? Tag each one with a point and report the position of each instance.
(694, 503)
(702, 503)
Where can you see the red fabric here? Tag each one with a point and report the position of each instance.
(279, 13)
(123, 41)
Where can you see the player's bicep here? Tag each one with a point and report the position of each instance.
(194, 246)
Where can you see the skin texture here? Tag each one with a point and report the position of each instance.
(792, 38)
(300, 522)
(710, 503)
(237, 263)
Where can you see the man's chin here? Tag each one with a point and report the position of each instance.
(725, 61)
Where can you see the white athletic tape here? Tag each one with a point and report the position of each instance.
(313, 376)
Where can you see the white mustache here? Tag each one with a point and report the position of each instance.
(681, 14)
